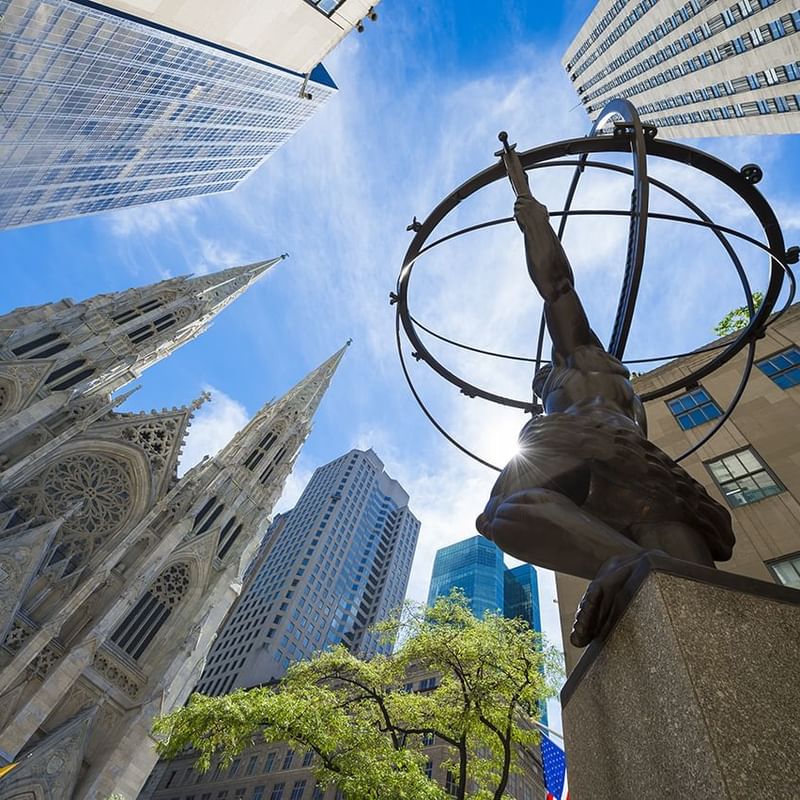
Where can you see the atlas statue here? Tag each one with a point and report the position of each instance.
(588, 494)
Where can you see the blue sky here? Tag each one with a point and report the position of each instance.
(422, 95)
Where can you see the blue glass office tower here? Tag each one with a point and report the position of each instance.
(476, 567)
(522, 595)
(101, 110)
(335, 564)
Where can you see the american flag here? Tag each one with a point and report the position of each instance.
(555, 770)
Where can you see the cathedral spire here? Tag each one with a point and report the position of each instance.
(244, 480)
(52, 352)
(218, 289)
(297, 407)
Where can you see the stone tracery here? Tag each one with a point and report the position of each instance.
(95, 491)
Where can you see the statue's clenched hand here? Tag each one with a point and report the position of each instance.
(530, 214)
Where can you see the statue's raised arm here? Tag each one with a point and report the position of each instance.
(587, 494)
(547, 262)
(552, 275)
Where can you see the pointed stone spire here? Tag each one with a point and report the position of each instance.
(52, 353)
(181, 310)
(297, 407)
(218, 289)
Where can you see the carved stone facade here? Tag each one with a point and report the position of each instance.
(114, 573)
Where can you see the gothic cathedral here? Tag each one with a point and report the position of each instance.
(115, 574)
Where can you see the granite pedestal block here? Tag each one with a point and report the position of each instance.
(695, 692)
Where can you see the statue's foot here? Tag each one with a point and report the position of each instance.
(597, 610)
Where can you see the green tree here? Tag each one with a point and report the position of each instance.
(367, 730)
(738, 318)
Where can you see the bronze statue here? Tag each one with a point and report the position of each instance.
(588, 494)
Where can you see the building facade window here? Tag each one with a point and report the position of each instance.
(783, 368)
(787, 570)
(207, 515)
(693, 409)
(277, 791)
(261, 449)
(297, 790)
(42, 346)
(743, 478)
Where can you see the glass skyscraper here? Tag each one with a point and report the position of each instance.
(331, 567)
(476, 567)
(102, 110)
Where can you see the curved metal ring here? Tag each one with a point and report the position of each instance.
(664, 149)
(582, 163)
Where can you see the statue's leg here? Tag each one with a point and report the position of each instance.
(596, 611)
(677, 539)
(546, 528)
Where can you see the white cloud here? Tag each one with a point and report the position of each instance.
(213, 426)
(293, 488)
(152, 218)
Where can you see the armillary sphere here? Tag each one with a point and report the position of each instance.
(628, 135)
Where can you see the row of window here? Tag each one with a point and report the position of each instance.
(768, 77)
(696, 407)
(668, 25)
(606, 20)
(755, 108)
(775, 29)
(279, 792)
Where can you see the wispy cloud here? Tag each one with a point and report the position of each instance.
(213, 426)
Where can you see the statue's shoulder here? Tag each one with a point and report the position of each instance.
(591, 358)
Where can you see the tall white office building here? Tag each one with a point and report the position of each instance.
(113, 104)
(693, 67)
(338, 562)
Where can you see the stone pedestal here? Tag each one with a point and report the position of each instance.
(695, 692)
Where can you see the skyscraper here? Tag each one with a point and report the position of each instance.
(114, 104)
(476, 566)
(696, 68)
(116, 573)
(339, 564)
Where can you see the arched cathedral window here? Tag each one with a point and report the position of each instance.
(150, 329)
(207, 515)
(69, 375)
(148, 616)
(267, 473)
(228, 536)
(260, 450)
(137, 311)
(42, 346)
